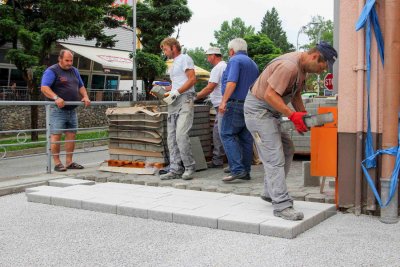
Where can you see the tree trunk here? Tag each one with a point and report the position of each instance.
(34, 96)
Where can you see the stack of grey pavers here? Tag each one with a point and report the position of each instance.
(142, 137)
(207, 209)
(302, 142)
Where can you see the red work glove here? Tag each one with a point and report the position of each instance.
(297, 119)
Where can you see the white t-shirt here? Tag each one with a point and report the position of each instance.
(178, 76)
(216, 77)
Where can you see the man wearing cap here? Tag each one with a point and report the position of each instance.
(281, 82)
(213, 89)
(240, 74)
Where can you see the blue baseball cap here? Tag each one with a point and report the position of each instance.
(328, 52)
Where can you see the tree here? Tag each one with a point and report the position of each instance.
(318, 29)
(157, 19)
(149, 66)
(271, 26)
(34, 26)
(261, 49)
(199, 58)
(227, 32)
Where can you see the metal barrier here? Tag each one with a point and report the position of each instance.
(47, 104)
(20, 93)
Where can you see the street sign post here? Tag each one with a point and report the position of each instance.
(328, 81)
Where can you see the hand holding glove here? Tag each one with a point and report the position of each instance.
(297, 119)
(171, 97)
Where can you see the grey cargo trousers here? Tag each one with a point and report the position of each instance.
(179, 123)
(275, 149)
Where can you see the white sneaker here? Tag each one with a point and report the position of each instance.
(170, 176)
(188, 175)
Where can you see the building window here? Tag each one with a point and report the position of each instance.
(98, 81)
(4, 77)
(97, 66)
(85, 79)
(75, 63)
(16, 76)
(84, 63)
(112, 82)
(3, 56)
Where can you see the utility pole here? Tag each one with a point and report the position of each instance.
(134, 81)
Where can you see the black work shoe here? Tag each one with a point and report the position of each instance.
(247, 177)
(227, 170)
(233, 177)
(265, 198)
(211, 165)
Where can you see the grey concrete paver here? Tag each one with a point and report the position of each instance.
(208, 209)
(69, 182)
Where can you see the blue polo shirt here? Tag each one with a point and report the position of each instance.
(243, 71)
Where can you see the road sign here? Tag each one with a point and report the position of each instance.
(328, 81)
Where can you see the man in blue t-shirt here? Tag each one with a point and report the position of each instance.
(240, 74)
(62, 82)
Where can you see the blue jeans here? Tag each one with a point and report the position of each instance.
(63, 120)
(237, 140)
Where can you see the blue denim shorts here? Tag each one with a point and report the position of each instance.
(62, 120)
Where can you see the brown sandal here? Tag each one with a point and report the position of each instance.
(60, 168)
(75, 166)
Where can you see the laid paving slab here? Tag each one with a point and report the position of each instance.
(69, 182)
(206, 209)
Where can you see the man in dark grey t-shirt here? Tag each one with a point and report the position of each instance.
(62, 82)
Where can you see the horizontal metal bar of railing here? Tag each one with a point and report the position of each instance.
(41, 103)
(80, 140)
(21, 144)
(48, 104)
(23, 131)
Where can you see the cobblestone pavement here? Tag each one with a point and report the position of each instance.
(210, 180)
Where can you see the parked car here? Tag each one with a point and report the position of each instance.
(308, 95)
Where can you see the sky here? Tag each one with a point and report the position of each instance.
(208, 15)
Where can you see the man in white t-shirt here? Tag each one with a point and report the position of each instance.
(213, 89)
(180, 102)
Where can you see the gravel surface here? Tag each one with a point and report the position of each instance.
(42, 235)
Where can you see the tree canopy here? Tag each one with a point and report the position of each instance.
(227, 32)
(33, 27)
(157, 19)
(271, 26)
(318, 29)
(261, 49)
(199, 58)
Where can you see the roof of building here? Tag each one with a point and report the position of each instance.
(124, 38)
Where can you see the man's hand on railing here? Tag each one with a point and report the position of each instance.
(86, 100)
(59, 102)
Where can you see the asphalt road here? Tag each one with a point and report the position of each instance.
(37, 164)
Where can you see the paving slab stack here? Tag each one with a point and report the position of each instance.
(139, 132)
(302, 142)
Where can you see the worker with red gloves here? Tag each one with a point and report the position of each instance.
(281, 82)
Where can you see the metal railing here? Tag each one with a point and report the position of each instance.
(22, 134)
(9, 93)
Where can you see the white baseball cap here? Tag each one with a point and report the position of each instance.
(213, 51)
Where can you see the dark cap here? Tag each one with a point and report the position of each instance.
(328, 52)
